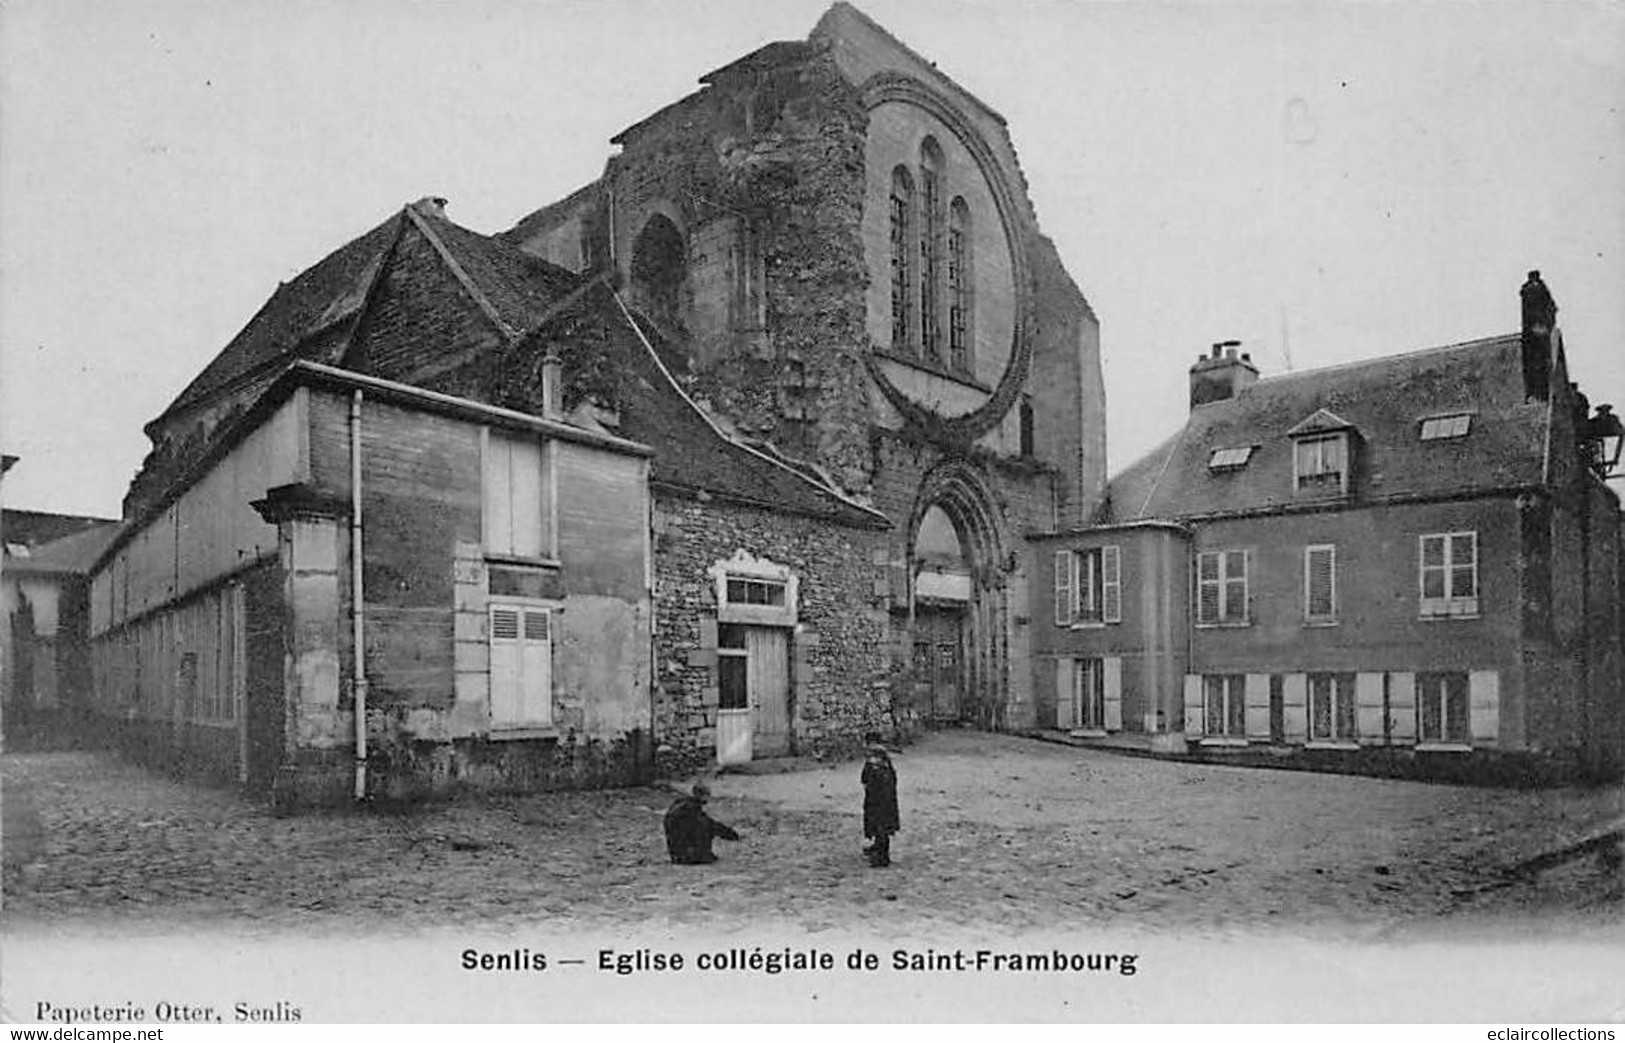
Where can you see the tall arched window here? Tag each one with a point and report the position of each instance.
(960, 281)
(902, 211)
(931, 249)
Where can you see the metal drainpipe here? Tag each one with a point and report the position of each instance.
(358, 658)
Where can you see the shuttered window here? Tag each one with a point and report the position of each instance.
(1089, 586)
(516, 519)
(521, 665)
(1441, 707)
(1089, 695)
(1331, 707)
(1066, 566)
(1224, 698)
(1322, 463)
(1320, 583)
(1111, 585)
(1221, 587)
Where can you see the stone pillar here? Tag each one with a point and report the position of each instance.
(318, 737)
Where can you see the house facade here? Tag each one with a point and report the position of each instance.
(44, 672)
(1416, 555)
(492, 568)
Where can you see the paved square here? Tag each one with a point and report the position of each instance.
(998, 832)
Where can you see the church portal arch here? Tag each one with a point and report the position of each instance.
(960, 605)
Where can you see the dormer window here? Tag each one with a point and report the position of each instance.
(1232, 459)
(1320, 454)
(1453, 426)
(1321, 463)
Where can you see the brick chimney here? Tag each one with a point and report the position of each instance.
(1222, 374)
(1539, 327)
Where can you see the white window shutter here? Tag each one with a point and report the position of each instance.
(506, 665)
(1368, 709)
(1194, 727)
(537, 668)
(1295, 707)
(525, 490)
(1484, 707)
(1066, 566)
(498, 517)
(1066, 714)
(1111, 589)
(1257, 700)
(1402, 707)
(1114, 692)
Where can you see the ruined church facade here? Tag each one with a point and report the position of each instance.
(835, 244)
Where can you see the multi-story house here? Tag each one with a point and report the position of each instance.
(1417, 553)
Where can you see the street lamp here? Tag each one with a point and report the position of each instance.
(1604, 435)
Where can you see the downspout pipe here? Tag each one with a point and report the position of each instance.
(358, 657)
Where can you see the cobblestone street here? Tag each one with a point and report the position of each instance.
(997, 832)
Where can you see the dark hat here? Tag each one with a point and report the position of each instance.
(700, 790)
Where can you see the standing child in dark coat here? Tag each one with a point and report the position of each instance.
(879, 803)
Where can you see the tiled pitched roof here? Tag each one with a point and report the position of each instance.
(513, 288)
(321, 295)
(624, 366)
(37, 528)
(1384, 401)
(71, 554)
(519, 286)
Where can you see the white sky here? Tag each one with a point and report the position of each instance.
(1371, 177)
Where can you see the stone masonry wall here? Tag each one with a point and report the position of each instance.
(764, 173)
(839, 658)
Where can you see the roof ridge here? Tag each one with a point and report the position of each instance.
(723, 435)
(385, 256)
(478, 295)
(1383, 359)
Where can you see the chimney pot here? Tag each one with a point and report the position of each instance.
(1222, 374)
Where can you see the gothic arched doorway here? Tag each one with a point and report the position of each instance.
(959, 608)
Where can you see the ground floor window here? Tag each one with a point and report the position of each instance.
(521, 665)
(733, 668)
(1226, 707)
(1089, 694)
(1441, 707)
(1331, 707)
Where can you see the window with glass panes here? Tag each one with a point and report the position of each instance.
(1321, 463)
(902, 206)
(1221, 587)
(1441, 707)
(733, 675)
(1225, 705)
(959, 286)
(930, 265)
(1448, 574)
(1331, 707)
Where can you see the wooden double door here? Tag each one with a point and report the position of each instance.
(939, 663)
